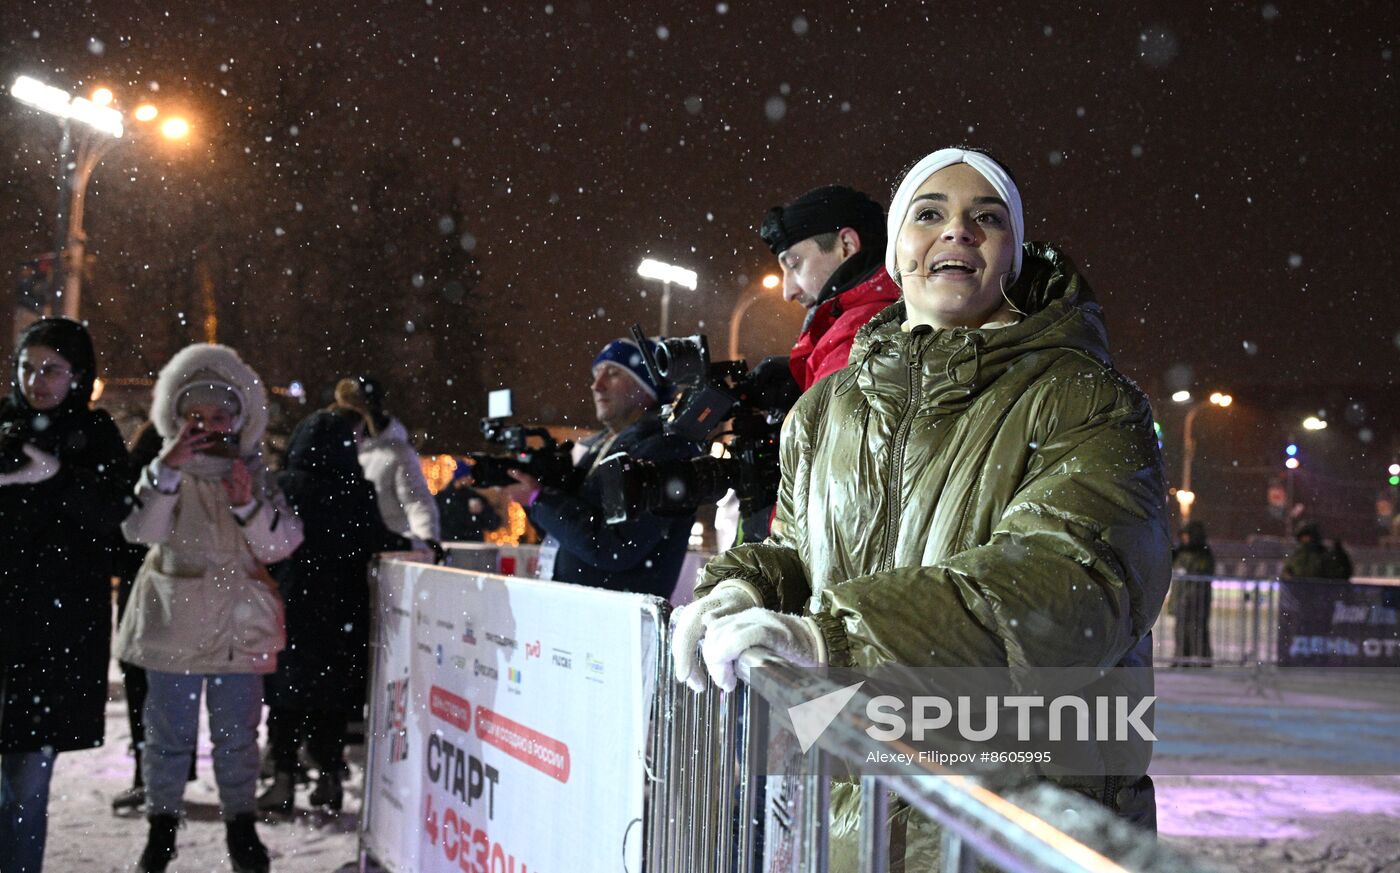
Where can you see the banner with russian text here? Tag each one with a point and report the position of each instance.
(528, 709)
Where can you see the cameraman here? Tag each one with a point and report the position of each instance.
(643, 554)
(830, 244)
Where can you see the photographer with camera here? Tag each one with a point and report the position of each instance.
(830, 244)
(643, 554)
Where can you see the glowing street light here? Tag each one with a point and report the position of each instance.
(145, 112)
(1216, 398)
(1181, 397)
(769, 282)
(1312, 422)
(59, 103)
(666, 274)
(99, 129)
(175, 128)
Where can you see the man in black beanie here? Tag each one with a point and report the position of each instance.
(830, 244)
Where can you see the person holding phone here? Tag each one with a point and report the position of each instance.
(204, 615)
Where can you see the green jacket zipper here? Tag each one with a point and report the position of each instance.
(906, 422)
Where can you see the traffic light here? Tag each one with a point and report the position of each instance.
(1394, 472)
(1291, 460)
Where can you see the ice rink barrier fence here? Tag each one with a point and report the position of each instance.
(522, 726)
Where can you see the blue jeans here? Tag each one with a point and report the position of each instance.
(24, 809)
(172, 727)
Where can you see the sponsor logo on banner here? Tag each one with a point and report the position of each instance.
(439, 654)
(459, 662)
(480, 669)
(454, 710)
(563, 659)
(399, 611)
(396, 716)
(469, 635)
(532, 650)
(544, 753)
(420, 616)
(503, 642)
(514, 676)
(594, 667)
(424, 648)
(445, 625)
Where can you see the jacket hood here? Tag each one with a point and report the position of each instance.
(393, 432)
(1061, 313)
(220, 363)
(50, 430)
(324, 444)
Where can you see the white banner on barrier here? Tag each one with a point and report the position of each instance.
(511, 724)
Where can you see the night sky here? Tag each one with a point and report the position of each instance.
(1225, 174)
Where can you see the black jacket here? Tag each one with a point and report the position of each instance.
(643, 555)
(324, 584)
(55, 582)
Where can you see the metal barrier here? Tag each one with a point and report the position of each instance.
(717, 809)
(1241, 620)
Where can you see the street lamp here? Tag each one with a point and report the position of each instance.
(666, 274)
(769, 282)
(1185, 497)
(100, 128)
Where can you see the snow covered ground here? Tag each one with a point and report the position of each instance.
(1256, 822)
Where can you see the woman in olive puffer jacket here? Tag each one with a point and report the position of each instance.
(978, 488)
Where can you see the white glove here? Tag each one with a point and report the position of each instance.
(727, 598)
(41, 466)
(793, 637)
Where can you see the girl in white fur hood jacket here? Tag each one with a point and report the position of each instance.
(204, 614)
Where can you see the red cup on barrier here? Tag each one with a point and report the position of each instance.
(506, 565)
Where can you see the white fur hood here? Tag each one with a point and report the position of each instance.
(201, 361)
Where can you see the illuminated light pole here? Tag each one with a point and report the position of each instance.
(667, 275)
(769, 282)
(1185, 497)
(100, 129)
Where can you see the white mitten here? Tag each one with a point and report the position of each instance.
(41, 466)
(726, 598)
(793, 637)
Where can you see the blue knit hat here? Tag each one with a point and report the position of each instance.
(627, 355)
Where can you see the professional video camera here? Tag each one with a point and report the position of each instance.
(548, 460)
(706, 395)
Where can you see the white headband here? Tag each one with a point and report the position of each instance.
(990, 170)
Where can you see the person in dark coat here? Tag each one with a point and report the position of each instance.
(321, 674)
(1313, 560)
(65, 487)
(465, 516)
(1190, 596)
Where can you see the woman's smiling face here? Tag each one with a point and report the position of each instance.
(954, 250)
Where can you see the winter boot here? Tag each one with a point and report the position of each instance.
(328, 791)
(245, 851)
(281, 797)
(134, 797)
(160, 844)
(130, 800)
